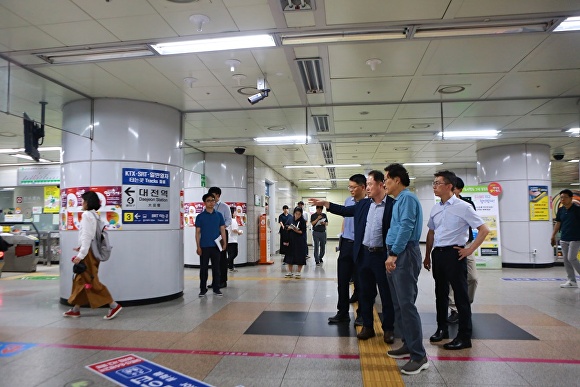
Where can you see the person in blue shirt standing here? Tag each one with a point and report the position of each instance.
(568, 221)
(209, 226)
(403, 265)
(223, 209)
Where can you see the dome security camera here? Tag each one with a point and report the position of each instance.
(558, 154)
(240, 150)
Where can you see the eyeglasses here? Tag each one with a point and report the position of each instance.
(436, 183)
(352, 188)
(209, 200)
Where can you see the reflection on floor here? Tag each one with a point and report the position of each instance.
(268, 331)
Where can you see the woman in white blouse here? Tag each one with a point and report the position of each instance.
(87, 289)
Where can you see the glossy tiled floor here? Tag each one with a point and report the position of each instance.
(526, 333)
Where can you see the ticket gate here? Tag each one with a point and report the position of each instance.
(23, 255)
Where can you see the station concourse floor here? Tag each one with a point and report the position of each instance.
(268, 331)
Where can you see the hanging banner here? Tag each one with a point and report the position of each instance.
(539, 202)
(488, 255)
(51, 199)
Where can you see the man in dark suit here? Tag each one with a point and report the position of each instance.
(372, 218)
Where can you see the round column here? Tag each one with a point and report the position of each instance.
(130, 137)
(524, 242)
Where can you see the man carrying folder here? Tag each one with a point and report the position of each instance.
(210, 226)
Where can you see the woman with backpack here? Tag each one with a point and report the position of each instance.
(87, 289)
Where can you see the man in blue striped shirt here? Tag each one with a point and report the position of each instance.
(403, 266)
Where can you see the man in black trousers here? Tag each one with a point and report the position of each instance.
(372, 217)
(223, 209)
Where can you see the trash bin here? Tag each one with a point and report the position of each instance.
(23, 256)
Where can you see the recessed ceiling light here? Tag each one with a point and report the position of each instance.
(276, 128)
(450, 89)
(291, 150)
(247, 90)
(420, 126)
(400, 149)
(363, 113)
(422, 164)
(7, 134)
(300, 162)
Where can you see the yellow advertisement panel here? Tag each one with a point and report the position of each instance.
(51, 200)
(539, 202)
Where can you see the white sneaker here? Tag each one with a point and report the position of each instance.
(288, 275)
(569, 284)
(297, 275)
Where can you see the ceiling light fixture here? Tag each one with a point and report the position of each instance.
(302, 166)
(320, 188)
(215, 44)
(573, 131)
(233, 64)
(342, 165)
(421, 164)
(476, 30)
(279, 140)
(373, 63)
(341, 37)
(311, 74)
(574, 161)
(95, 54)
(41, 149)
(492, 133)
(29, 158)
(321, 180)
(570, 24)
(199, 21)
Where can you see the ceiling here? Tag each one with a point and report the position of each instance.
(527, 85)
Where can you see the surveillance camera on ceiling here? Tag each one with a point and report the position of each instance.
(240, 150)
(254, 99)
(558, 154)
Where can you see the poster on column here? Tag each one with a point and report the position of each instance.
(71, 206)
(488, 255)
(191, 210)
(239, 212)
(51, 200)
(145, 196)
(539, 202)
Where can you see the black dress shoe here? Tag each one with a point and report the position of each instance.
(366, 333)
(338, 319)
(358, 321)
(453, 317)
(353, 299)
(439, 335)
(389, 337)
(458, 344)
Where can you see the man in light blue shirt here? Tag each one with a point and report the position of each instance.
(403, 266)
(223, 209)
(448, 224)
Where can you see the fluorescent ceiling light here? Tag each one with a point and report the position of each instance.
(570, 24)
(440, 32)
(573, 131)
(12, 150)
(321, 180)
(96, 54)
(319, 188)
(341, 165)
(283, 140)
(288, 40)
(30, 158)
(7, 189)
(573, 161)
(302, 166)
(216, 44)
(574, 183)
(41, 149)
(421, 164)
(470, 134)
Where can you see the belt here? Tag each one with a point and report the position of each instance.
(443, 248)
(374, 249)
(347, 240)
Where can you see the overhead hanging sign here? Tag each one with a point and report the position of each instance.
(47, 175)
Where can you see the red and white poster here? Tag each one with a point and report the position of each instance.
(240, 211)
(190, 212)
(71, 206)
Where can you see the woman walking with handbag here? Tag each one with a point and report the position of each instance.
(87, 289)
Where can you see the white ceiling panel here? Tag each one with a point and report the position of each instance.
(138, 27)
(9, 19)
(299, 19)
(252, 17)
(220, 21)
(369, 90)
(536, 84)
(82, 32)
(425, 88)
(544, 121)
(481, 54)
(366, 11)
(431, 110)
(115, 9)
(475, 8)
(503, 108)
(479, 123)
(46, 12)
(361, 127)
(398, 59)
(552, 53)
(370, 112)
(26, 38)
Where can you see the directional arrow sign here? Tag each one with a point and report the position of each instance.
(129, 190)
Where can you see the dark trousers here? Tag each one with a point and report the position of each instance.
(449, 270)
(223, 265)
(372, 274)
(346, 269)
(207, 254)
(232, 254)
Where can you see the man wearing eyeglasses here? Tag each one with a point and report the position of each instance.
(372, 219)
(209, 226)
(448, 224)
(346, 268)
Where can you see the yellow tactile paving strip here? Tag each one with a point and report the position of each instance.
(377, 368)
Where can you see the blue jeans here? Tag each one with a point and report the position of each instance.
(403, 284)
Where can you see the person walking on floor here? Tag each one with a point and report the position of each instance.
(87, 288)
(448, 225)
(283, 220)
(296, 255)
(568, 223)
(234, 232)
(209, 227)
(319, 221)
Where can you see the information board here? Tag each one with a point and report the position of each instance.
(145, 196)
